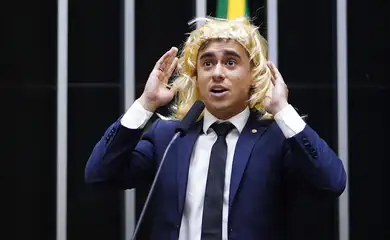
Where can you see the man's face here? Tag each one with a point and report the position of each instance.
(224, 77)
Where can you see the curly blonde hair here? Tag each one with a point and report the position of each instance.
(243, 32)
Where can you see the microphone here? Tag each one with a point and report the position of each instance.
(190, 118)
(186, 123)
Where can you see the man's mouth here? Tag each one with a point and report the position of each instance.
(218, 91)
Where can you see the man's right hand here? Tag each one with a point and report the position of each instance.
(157, 92)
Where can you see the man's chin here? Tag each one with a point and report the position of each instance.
(218, 106)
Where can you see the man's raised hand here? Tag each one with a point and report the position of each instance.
(157, 91)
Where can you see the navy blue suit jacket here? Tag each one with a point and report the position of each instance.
(267, 171)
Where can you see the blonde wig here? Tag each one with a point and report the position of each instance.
(243, 32)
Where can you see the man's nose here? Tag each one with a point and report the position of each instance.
(218, 73)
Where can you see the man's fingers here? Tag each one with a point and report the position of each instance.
(162, 63)
(275, 72)
(268, 94)
(167, 73)
(273, 80)
(269, 64)
(162, 60)
(168, 62)
(172, 66)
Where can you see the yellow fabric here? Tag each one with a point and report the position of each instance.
(236, 8)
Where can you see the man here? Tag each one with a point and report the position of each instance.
(233, 174)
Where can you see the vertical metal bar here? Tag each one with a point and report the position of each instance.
(129, 97)
(272, 33)
(200, 9)
(342, 111)
(62, 117)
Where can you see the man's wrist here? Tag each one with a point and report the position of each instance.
(279, 107)
(289, 121)
(147, 104)
(136, 116)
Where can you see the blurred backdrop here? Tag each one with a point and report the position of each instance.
(56, 110)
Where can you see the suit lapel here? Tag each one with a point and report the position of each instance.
(185, 147)
(249, 135)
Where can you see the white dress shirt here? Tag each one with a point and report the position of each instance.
(287, 119)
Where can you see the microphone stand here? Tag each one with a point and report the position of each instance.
(183, 127)
(153, 185)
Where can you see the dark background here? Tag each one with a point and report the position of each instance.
(307, 60)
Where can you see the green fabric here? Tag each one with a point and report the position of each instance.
(222, 7)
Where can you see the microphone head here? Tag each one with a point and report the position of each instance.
(190, 119)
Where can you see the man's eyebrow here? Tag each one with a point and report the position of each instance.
(232, 53)
(206, 55)
(225, 52)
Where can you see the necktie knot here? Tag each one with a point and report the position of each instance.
(222, 129)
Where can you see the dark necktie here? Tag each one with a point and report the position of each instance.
(213, 201)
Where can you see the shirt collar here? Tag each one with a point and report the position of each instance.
(238, 120)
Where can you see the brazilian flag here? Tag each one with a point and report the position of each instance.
(231, 9)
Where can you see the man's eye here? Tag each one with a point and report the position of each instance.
(231, 62)
(207, 64)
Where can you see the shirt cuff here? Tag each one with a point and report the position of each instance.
(289, 121)
(136, 116)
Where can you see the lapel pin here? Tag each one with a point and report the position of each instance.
(254, 130)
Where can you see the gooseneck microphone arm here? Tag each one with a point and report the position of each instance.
(152, 187)
(187, 122)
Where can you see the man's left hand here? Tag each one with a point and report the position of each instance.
(277, 100)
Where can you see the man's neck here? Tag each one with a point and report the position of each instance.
(227, 113)
(238, 120)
